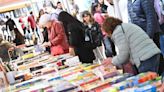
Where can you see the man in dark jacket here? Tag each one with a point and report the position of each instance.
(10, 24)
(142, 13)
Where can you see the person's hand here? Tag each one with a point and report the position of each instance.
(107, 62)
(161, 88)
(105, 15)
(13, 45)
(46, 44)
(49, 43)
(71, 51)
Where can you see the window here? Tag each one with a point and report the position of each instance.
(18, 12)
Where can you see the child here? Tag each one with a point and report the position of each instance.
(93, 34)
(96, 12)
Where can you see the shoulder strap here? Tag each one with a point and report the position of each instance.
(127, 41)
(122, 29)
(124, 32)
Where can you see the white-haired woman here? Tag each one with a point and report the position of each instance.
(57, 38)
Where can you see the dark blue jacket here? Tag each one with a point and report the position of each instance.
(142, 13)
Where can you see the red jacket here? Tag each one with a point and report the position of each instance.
(58, 39)
(32, 22)
(21, 22)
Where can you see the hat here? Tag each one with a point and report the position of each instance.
(44, 19)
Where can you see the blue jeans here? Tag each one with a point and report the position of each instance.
(162, 44)
(151, 64)
(109, 47)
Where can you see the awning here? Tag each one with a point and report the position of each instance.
(8, 5)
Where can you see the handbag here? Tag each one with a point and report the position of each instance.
(57, 50)
(129, 67)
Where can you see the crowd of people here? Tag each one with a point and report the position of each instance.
(140, 42)
(136, 42)
(117, 33)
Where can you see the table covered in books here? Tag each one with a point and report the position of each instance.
(89, 78)
(42, 72)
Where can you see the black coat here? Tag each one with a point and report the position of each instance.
(10, 23)
(19, 38)
(94, 34)
(45, 35)
(82, 49)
